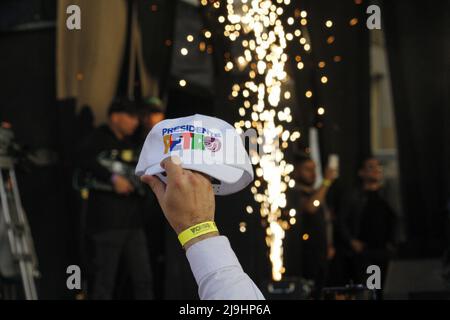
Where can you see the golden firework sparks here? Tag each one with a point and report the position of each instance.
(260, 24)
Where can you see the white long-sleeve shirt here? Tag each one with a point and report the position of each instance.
(218, 273)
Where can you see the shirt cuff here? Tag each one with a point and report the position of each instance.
(210, 255)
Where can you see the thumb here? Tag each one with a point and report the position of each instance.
(156, 185)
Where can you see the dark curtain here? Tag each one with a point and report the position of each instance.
(344, 128)
(27, 88)
(15, 14)
(418, 43)
(156, 21)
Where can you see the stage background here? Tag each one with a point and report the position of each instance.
(418, 46)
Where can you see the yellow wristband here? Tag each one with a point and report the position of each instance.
(197, 231)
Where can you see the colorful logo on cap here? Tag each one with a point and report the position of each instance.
(213, 144)
(189, 137)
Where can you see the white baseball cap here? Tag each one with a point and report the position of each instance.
(205, 144)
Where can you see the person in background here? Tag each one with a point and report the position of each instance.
(114, 219)
(314, 222)
(151, 112)
(366, 224)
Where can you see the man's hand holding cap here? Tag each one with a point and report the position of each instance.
(187, 200)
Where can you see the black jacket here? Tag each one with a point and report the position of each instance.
(107, 210)
(366, 216)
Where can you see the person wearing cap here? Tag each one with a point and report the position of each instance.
(114, 219)
(310, 242)
(180, 162)
(151, 112)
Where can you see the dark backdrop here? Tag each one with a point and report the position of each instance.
(27, 91)
(418, 43)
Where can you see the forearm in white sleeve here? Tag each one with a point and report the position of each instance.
(218, 273)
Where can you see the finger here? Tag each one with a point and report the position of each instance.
(173, 169)
(187, 172)
(156, 185)
(205, 176)
(201, 176)
(204, 179)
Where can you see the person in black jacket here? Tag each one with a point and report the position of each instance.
(309, 245)
(114, 220)
(366, 224)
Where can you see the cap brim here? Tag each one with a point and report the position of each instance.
(220, 172)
